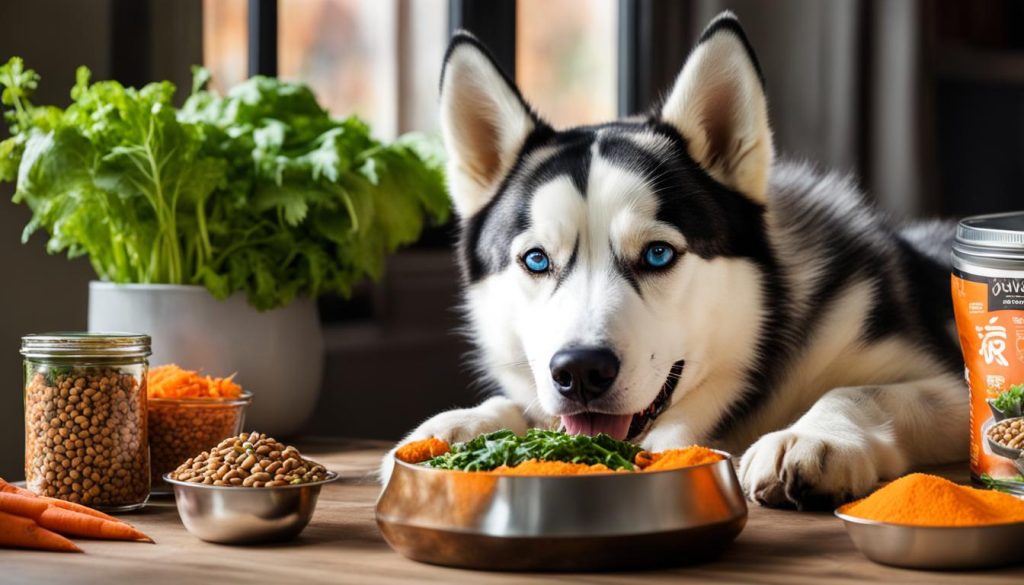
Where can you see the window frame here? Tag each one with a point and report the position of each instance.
(648, 55)
(263, 36)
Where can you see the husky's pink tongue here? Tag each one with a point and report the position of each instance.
(592, 423)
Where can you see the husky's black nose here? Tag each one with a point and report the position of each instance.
(584, 373)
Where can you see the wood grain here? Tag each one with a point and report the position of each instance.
(342, 545)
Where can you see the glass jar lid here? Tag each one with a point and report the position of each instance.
(999, 235)
(85, 344)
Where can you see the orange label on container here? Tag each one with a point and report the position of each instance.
(990, 323)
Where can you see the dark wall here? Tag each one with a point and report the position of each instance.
(44, 292)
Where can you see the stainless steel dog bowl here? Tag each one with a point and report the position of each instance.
(935, 547)
(242, 515)
(578, 522)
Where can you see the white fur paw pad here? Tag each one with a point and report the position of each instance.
(787, 469)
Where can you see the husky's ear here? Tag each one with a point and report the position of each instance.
(719, 107)
(484, 121)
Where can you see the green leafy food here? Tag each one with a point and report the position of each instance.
(259, 191)
(504, 447)
(1010, 401)
(1008, 485)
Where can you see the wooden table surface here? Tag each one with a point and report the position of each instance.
(342, 545)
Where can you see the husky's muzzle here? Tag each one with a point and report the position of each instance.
(584, 374)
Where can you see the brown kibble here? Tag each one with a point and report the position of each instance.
(248, 462)
(69, 425)
(1009, 433)
(250, 465)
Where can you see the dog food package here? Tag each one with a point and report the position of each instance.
(988, 302)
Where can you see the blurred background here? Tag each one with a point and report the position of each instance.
(921, 99)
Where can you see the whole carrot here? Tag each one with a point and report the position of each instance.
(25, 533)
(13, 489)
(78, 508)
(75, 524)
(19, 505)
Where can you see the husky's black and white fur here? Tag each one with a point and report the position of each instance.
(666, 279)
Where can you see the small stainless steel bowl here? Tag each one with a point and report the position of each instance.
(578, 522)
(244, 515)
(935, 547)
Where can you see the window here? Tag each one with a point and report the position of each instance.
(379, 59)
(566, 53)
(224, 42)
(346, 51)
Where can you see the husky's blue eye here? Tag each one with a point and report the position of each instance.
(658, 255)
(536, 261)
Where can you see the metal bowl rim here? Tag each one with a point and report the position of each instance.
(866, 522)
(331, 476)
(994, 444)
(1009, 418)
(727, 460)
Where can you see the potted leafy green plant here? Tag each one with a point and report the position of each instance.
(214, 226)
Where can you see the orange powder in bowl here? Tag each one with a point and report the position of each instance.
(676, 458)
(536, 467)
(920, 499)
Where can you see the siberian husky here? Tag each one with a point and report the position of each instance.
(665, 279)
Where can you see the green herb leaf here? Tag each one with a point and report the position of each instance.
(504, 447)
(1011, 401)
(1008, 485)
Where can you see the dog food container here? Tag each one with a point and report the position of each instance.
(988, 301)
(85, 418)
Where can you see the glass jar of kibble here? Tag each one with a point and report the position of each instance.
(85, 418)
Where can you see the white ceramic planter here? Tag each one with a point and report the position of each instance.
(278, 355)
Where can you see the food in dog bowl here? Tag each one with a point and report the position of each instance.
(677, 458)
(1009, 433)
(189, 412)
(543, 452)
(920, 499)
(535, 467)
(420, 451)
(250, 460)
(988, 302)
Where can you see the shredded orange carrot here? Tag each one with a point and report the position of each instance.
(171, 381)
(676, 458)
(420, 451)
(536, 467)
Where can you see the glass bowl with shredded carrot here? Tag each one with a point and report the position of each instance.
(188, 413)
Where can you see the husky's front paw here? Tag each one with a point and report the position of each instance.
(461, 425)
(792, 469)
